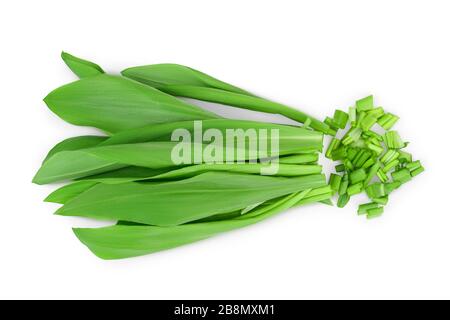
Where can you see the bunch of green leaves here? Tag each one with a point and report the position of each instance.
(129, 176)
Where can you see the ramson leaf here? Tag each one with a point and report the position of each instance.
(182, 81)
(113, 103)
(82, 68)
(124, 241)
(174, 203)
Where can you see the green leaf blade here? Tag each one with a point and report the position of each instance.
(114, 104)
(82, 68)
(174, 203)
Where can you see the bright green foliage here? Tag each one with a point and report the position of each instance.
(150, 147)
(130, 176)
(124, 241)
(182, 81)
(178, 202)
(69, 192)
(113, 104)
(311, 158)
(75, 143)
(82, 68)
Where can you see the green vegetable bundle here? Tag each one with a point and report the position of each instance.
(129, 175)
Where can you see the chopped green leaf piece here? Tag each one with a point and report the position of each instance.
(344, 185)
(358, 176)
(377, 112)
(404, 156)
(387, 121)
(389, 156)
(348, 165)
(376, 190)
(372, 173)
(355, 189)
(417, 171)
(393, 140)
(352, 115)
(340, 119)
(335, 182)
(368, 122)
(391, 165)
(382, 176)
(401, 176)
(334, 144)
(343, 200)
(362, 159)
(352, 153)
(375, 213)
(382, 201)
(352, 135)
(369, 163)
(339, 153)
(362, 209)
(389, 187)
(359, 118)
(377, 149)
(340, 168)
(331, 123)
(413, 165)
(375, 135)
(365, 104)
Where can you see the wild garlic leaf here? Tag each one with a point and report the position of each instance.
(162, 75)
(128, 174)
(75, 143)
(67, 165)
(125, 241)
(285, 170)
(178, 202)
(113, 104)
(183, 81)
(69, 192)
(291, 139)
(82, 68)
(121, 151)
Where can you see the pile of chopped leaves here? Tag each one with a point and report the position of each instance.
(369, 162)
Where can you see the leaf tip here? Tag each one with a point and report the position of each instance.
(37, 179)
(61, 212)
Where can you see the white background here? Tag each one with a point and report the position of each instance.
(315, 55)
